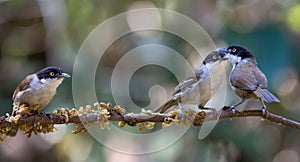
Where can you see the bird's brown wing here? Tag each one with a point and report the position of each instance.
(261, 79)
(186, 83)
(173, 101)
(22, 86)
(248, 77)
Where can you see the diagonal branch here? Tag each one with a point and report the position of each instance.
(43, 123)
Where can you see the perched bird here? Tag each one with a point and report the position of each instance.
(246, 79)
(199, 88)
(38, 89)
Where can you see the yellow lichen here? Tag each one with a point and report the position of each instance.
(109, 105)
(146, 111)
(164, 125)
(150, 125)
(167, 122)
(88, 108)
(96, 104)
(15, 108)
(105, 114)
(174, 113)
(142, 126)
(67, 118)
(80, 110)
(73, 112)
(119, 109)
(104, 125)
(121, 124)
(102, 105)
(2, 137)
(101, 109)
(79, 128)
(23, 110)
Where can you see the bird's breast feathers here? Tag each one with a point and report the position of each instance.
(38, 91)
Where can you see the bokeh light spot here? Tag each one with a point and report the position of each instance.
(293, 20)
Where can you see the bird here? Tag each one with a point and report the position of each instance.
(38, 89)
(246, 79)
(200, 87)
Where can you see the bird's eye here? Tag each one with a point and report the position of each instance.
(233, 50)
(52, 74)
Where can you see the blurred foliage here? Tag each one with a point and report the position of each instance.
(35, 34)
(293, 18)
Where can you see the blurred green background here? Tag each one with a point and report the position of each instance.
(35, 34)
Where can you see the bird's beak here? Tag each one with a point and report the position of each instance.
(224, 53)
(64, 75)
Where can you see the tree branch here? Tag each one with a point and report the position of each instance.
(43, 123)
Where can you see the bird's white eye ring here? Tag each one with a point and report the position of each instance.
(52, 74)
(233, 50)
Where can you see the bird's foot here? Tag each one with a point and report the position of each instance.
(180, 114)
(180, 111)
(232, 109)
(263, 110)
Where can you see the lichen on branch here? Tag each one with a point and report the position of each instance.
(102, 113)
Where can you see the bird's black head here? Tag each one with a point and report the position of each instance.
(51, 72)
(239, 51)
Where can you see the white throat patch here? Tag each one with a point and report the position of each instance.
(234, 59)
(51, 83)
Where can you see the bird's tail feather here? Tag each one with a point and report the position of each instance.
(166, 106)
(265, 95)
